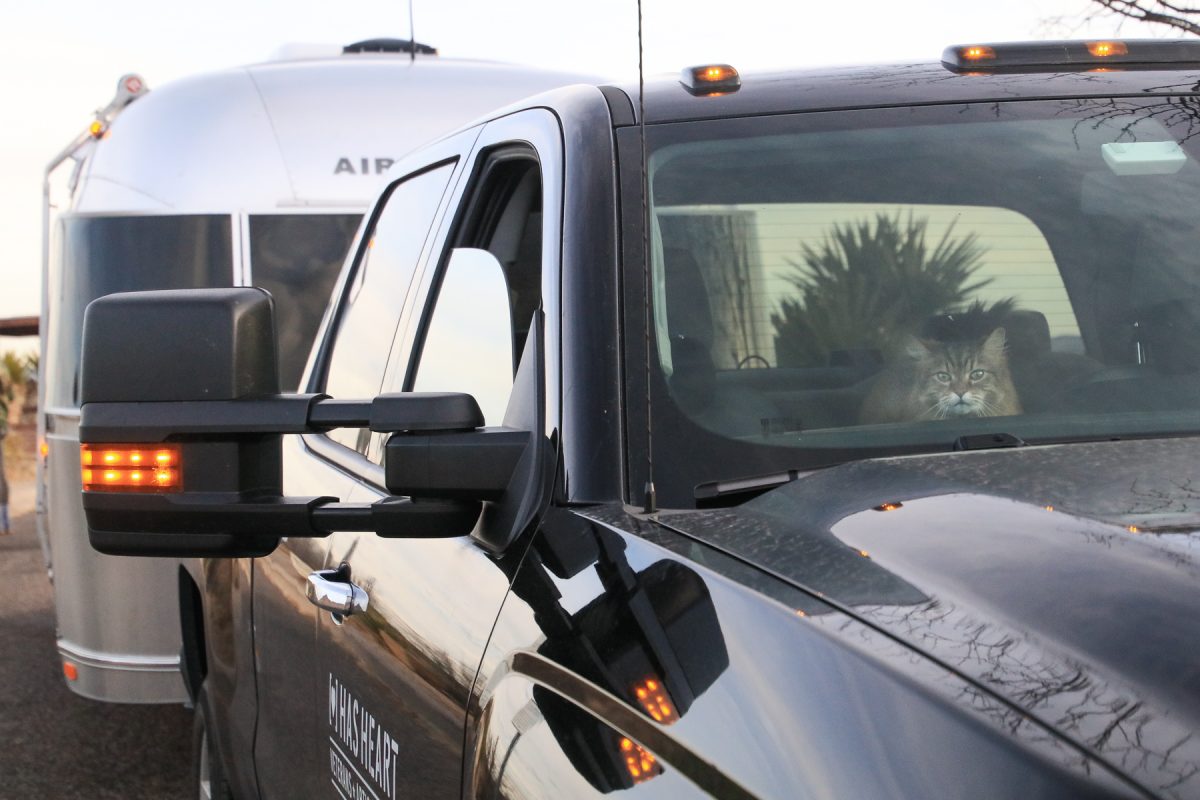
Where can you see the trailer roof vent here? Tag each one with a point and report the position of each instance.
(390, 46)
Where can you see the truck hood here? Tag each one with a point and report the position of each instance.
(1064, 580)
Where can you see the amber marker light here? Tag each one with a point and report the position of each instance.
(1106, 49)
(978, 52)
(1132, 528)
(97, 129)
(888, 507)
(640, 763)
(653, 697)
(711, 79)
(154, 468)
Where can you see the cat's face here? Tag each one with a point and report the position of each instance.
(962, 379)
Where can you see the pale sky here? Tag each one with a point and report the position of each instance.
(61, 61)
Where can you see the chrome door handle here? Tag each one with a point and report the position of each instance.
(332, 590)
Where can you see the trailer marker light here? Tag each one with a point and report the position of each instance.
(131, 468)
(70, 671)
(97, 128)
(711, 79)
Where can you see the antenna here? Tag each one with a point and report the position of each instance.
(651, 499)
(412, 33)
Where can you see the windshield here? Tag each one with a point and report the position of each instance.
(830, 286)
(95, 256)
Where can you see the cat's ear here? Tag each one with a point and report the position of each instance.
(994, 344)
(916, 348)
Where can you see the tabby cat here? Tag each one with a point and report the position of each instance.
(943, 380)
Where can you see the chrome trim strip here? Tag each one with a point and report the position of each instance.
(102, 660)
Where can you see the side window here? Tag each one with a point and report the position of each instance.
(375, 295)
(476, 323)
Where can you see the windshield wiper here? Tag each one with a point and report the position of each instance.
(712, 493)
(737, 490)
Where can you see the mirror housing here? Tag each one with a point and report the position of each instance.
(227, 352)
(186, 349)
(202, 395)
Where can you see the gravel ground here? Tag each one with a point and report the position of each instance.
(54, 744)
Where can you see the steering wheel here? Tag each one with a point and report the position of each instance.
(751, 359)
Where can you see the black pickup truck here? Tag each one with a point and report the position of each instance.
(856, 457)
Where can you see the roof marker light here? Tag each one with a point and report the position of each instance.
(711, 79)
(1106, 49)
(977, 52)
(154, 468)
(1072, 55)
(97, 128)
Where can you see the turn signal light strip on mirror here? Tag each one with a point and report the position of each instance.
(153, 468)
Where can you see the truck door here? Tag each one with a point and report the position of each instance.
(398, 674)
(290, 738)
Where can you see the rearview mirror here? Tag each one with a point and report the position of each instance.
(181, 439)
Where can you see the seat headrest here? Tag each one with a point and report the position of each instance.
(689, 314)
(1027, 333)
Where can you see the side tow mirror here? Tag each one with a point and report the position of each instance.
(181, 436)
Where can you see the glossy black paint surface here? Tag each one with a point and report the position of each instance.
(1062, 579)
(408, 663)
(899, 85)
(588, 392)
(787, 705)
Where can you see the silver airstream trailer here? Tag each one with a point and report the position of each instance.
(251, 176)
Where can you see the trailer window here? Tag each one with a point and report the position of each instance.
(296, 257)
(102, 255)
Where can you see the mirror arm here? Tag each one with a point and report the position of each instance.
(276, 414)
(159, 516)
(399, 518)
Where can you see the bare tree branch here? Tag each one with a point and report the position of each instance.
(1163, 12)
